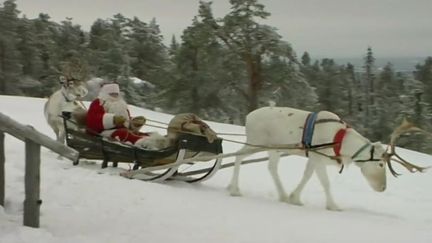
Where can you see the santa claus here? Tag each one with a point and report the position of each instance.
(109, 116)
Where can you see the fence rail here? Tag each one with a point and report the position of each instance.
(33, 141)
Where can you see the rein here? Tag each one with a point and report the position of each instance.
(372, 150)
(311, 148)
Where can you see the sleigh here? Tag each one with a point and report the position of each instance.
(191, 158)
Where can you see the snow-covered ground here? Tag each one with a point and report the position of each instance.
(87, 204)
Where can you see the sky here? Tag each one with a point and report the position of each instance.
(87, 204)
(331, 28)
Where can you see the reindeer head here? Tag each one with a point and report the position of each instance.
(369, 159)
(372, 157)
(390, 152)
(73, 73)
(73, 89)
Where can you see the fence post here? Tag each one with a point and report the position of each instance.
(32, 201)
(2, 169)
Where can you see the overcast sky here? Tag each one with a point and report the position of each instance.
(324, 28)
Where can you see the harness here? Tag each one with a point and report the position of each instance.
(372, 150)
(65, 84)
(307, 136)
(311, 121)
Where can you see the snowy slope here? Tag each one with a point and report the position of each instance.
(87, 204)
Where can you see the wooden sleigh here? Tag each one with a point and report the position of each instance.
(195, 149)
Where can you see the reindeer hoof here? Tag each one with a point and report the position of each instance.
(284, 198)
(294, 200)
(235, 194)
(126, 174)
(234, 191)
(333, 208)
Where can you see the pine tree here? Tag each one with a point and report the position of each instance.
(351, 89)
(288, 87)
(305, 59)
(249, 40)
(388, 90)
(29, 55)
(71, 40)
(46, 34)
(423, 73)
(108, 52)
(369, 83)
(174, 47)
(418, 111)
(10, 67)
(197, 79)
(146, 49)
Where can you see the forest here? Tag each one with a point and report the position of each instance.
(219, 68)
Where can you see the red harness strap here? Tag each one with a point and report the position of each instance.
(338, 138)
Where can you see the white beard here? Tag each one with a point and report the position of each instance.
(118, 107)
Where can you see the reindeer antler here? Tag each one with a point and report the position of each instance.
(74, 69)
(405, 127)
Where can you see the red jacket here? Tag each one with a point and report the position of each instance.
(98, 120)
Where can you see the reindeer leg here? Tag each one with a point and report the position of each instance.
(61, 136)
(61, 139)
(56, 131)
(294, 197)
(274, 158)
(233, 186)
(321, 172)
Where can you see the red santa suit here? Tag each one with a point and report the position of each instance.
(100, 116)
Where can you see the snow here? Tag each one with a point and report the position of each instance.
(139, 81)
(87, 204)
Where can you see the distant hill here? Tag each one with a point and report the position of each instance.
(400, 64)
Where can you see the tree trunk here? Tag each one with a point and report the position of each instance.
(2, 68)
(255, 82)
(2, 169)
(194, 92)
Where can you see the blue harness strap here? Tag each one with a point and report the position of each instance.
(308, 130)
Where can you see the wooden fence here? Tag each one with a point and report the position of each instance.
(33, 141)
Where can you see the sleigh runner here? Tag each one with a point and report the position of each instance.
(160, 165)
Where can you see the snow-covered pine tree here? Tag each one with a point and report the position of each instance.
(418, 111)
(388, 90)
(106, 48)
(423, 73)
(286, 86)
(198, 75)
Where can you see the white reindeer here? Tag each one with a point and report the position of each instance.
(64, 99)
(279, 129)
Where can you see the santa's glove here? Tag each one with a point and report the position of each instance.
(119, 120)
(138, 121)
